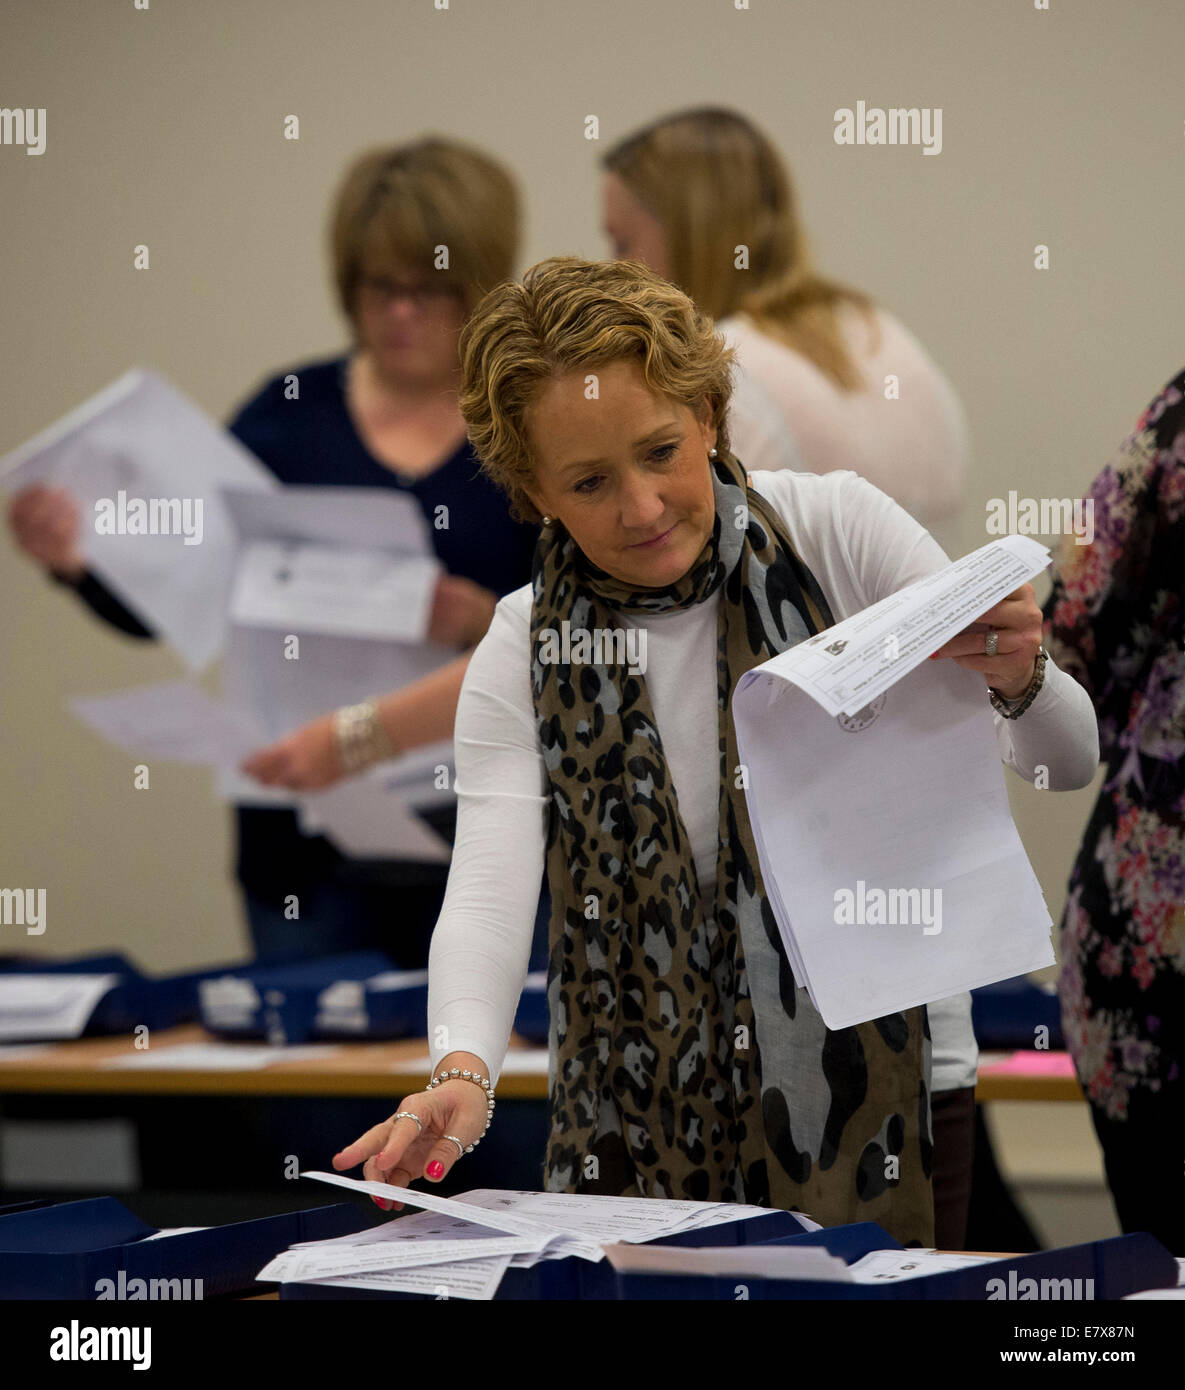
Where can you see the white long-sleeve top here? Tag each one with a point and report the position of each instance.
(860, 546)
(913, 445)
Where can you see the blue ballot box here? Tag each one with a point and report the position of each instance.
(1113, 1268)
(357, 994)
(1008, 1013)
(135, 998)
(67, 1250)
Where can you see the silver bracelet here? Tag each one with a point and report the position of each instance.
(460, 1074)
(1013, 709)
(361, 737)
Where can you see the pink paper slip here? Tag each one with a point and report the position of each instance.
(1032, 1064)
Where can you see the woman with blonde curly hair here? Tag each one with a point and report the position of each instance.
(685, 1060)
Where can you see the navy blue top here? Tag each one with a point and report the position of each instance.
(311, 441)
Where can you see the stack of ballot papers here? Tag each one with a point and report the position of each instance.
(50, 1006)
(877, 800)
(464, 1245)
(788, 1262)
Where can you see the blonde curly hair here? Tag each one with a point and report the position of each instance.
(572, 315)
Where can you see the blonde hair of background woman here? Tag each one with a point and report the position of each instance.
(715, 182)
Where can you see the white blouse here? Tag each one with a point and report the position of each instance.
(912, 443)
(860, 546)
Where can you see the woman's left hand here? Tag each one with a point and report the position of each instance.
(1020, 625)
(303, 761)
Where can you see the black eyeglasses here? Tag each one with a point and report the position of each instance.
(381, 290)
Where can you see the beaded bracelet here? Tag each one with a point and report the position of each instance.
(1013, 709)
(458, 1074)
(361, 737)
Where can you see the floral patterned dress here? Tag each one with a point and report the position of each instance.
(1115, 621)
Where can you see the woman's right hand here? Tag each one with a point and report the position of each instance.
(45, 523)
(396, 1152)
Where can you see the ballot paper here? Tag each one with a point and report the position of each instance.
(459, 1247)
(846, 667)
(573, 1223)
(887, 1266)
(878, 805)
(421, 1238)
(176, 721)
(147, 468)
(303, 587)
(739, 1261)
(332, 664)
(215, 1056)
(375, 815)
(49, 1006)
(472, 1279)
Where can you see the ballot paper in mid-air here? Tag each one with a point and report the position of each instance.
(376, 815)
(330, 605)
(877, 800)
(176, 721)
(147, 470)
(304, 587)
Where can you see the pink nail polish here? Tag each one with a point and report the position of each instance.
(435, 1168)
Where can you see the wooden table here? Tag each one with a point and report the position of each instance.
(354, 1069)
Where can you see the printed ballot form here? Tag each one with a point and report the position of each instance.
(328, 594)
(147, 469)
(351, 574)
(877, 799)
(466, 1243)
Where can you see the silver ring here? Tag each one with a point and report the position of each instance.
(991, 642)
(460, 1146)
(407, 1115)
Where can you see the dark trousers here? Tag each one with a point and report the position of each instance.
(1145, 1160)
(952, 1115)
(337, 917)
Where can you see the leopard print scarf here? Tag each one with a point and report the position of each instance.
(685, 1061)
